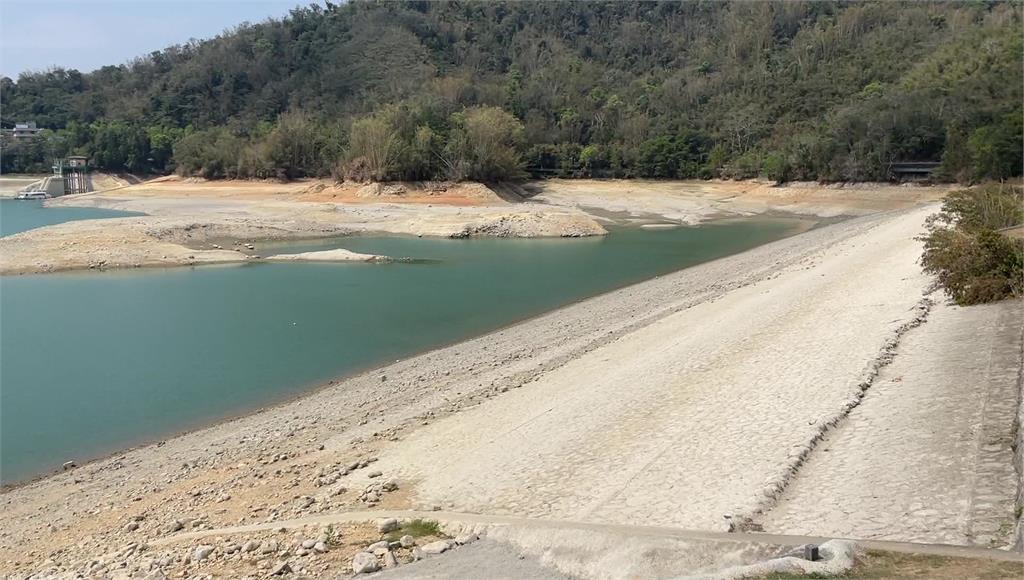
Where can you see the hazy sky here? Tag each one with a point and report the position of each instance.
(36, 34)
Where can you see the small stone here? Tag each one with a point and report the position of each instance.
(131, 527)
(383, 544)
(175, 526)
(388, 525)
(202, 553)
(390, 561)
(407, 541)
(268, 547)
(437, 547)
(390, 485)
(250, 546)
(308, 544)
(373, 474)
(463, 539)
(320, 548)
(364, 563)
(281, 568)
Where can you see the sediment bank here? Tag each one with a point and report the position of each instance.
(187, 220)
(713, 374)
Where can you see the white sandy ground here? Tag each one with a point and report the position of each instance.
(688, 420)
(336, 255)
(696, 201)
(927, 455)
(675, 401)
(187, 219)
(184, 231)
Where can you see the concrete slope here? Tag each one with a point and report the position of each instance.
(695, 420)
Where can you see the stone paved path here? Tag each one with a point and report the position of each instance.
(693, 417)
(926, 456)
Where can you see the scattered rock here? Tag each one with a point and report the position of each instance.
(437, 547)
(281, 568)
(373, 474)
(383, 544)
(250, 546)
(308, 544)
(202, 553)
(463, 539)
(320, 548)
(364, 563)
(131, 526)
(68, 465)
(268, 547)
(407, 541)
(388, 525)
(390, 561)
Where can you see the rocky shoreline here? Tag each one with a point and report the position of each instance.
(169, 239)
(294, 459)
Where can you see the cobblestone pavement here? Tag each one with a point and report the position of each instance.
(693, 417)
(926, 456)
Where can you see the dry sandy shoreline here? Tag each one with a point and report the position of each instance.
(185, 219)
(427, 419)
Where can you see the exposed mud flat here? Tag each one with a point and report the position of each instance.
(187, 217)
(188, 221)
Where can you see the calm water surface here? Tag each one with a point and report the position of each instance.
(94, 362)
(26, 214)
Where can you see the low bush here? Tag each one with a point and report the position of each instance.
(968, 248)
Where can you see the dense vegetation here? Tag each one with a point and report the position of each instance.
(972, 258)
(485, 90)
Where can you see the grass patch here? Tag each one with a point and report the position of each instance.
(878, 565)
(416, 528)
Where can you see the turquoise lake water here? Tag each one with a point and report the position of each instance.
(20, 215)
(92, 362)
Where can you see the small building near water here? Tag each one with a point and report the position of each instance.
(74, 173)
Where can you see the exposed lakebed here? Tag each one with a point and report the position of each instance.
(97, 361)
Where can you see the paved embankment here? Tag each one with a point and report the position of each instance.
(701, 415)
(927, 455)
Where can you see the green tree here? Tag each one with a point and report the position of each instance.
(484, 145)
(373, 150)
(996, 150)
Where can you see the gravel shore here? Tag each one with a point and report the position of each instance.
(678, 401)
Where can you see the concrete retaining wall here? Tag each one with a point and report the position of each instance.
(1018, 452)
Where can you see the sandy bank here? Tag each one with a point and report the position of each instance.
(675, 401)
(694, 201)
(187, 222)
(337, 255)
(197, 215)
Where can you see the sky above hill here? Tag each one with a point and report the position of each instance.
(88, 34)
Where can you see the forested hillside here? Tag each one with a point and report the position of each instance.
(490, 90)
